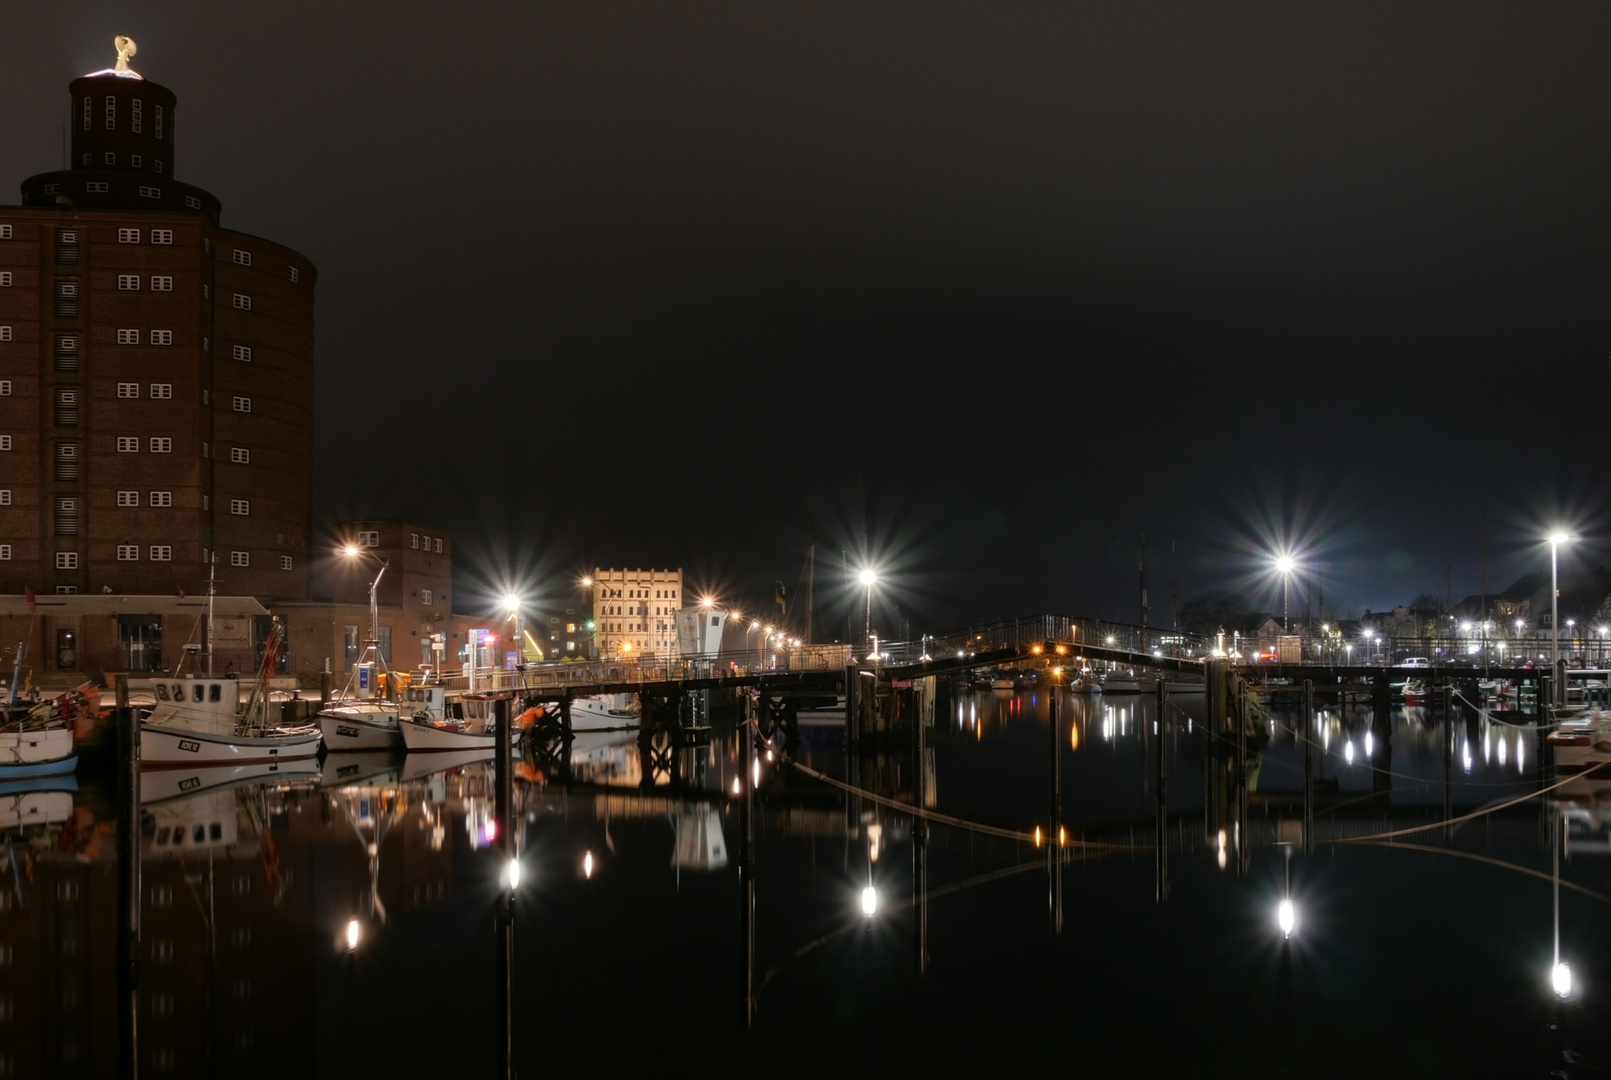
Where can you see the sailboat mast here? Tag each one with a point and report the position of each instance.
(810, 582)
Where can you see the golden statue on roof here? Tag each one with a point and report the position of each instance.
(125, 49)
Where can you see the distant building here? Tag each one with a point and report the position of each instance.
(634, 611)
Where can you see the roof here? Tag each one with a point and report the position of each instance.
(224, 607)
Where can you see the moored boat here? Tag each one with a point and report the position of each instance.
(471, 727)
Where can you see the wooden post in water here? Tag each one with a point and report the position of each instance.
(326, 689)
(1161, 774)
(1241, 776)
(852, 747)
(1306, 733)
(503, 797)
(1054, 836)
(128, 885)
(920, 833)
(746, 858)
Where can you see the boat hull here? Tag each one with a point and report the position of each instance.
(174, 748)
(352, 733)
(425, 738)
(160, 785)
(27, 754)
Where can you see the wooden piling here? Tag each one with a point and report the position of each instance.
(128, 892)
(1161, 786)
(503, 798)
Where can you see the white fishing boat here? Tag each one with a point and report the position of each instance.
(372, 724)
(469, 725)
(37, 740)
(200, 720)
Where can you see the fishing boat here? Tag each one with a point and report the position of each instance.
(200, 720)
(1414, 692)
(372, 724)
(469, 725)
(1121, 684)
(1003, 682)
(36, 738)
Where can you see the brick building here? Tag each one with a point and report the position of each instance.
(156, 373)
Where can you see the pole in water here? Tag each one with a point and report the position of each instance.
(128, 892)
(1054, 835)
(746, 858)
(1161, 769)
(509, 878)
(920, 837)
(1305, 732)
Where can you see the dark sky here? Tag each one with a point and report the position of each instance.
(661, 284)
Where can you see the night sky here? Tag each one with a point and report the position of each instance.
(981, 292)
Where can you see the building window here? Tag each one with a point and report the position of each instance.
(67, 461)
(349, 641)
(128, 389)
(134, 115)
(243, 302)
(414, 541)
(67, 350)
(240, 507)
(128, 444)
(161, 445)
(425, 597)
(243, 258)
(5, 333)
(161, 498)
(427, 543)
(128, 498)
(128, 282)
(240, 455)
(5, 442)
(150, 192)
(134, 161)
(369, 539)
(128, 553)
(66, 247)
(285, 562)
(111, 113)
(161, 553)
(242, 352)
(67, 408)
(161, 283)
(5, 232)
(243, 404)
(96, 187)
(66, 516)
(5, 496)
(162, 236)
(111, 158)
(240, 558)
(385, 643)
(5, 552)
(67, 560)
(5, 279)
(296, 275)
(66, 590)
(162, 337)
(162, 391)
(128, 236)
(128, 336)
(439, 545)
(5, 387)
(192, 202)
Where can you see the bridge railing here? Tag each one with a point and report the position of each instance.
(556, 677)
(1027, 630)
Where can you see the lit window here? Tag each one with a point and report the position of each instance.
(128, 553)
(128, 498)
(162, 337)
(67, 560)
(150, 192)
(240, 507)
(285, 562)
(128, 337)
(243, 404)
(240, 455)
(162, 236)
(161, 283)
(128, 444)
(243, 258)
(128, 282)
(162, 391)
(161, 553)
(161, 445)
(128, 389)
(128, 236)
(243, 302)
(242, 352)
(162, 498)
(240, 558)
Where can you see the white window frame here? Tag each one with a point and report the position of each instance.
(67, 560)
(240, 507)
(240, 558)
(161, 337)
(5, 333)
(240, 455)
(128, 335)
(162, 283)
(128, 283)
(161, 444)
(285, 562)
(128, 553)
(242, 302)
(160, 498)
(162, 236)
(161, 552)
(161, 391)
(5, 496)
(128, 236)
(243, 353)
(128, 390)
(128, 444)
(242, 404)
(128, 498)
(5, 552)
(243, 257)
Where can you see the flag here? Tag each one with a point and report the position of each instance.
(33, 607)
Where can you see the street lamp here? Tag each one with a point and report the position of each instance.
(511, 604)
(1284, 565)
(353, 552)
(868, 578)
(1556, 539)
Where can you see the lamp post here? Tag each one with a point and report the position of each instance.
(511, 604)
(868, 578)
(1284, 564)
(1556, 539)
(353, 552)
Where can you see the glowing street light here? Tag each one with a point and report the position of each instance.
(354, 552)
(1284, 565)
(1286, 916)
(868, 578)
(355, 934)
(869, 901)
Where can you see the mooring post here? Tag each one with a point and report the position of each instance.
(746, 860)
(1306, 733)
(565, 715)
(1161, 773)
(503, 797)
(128, 886)
(852, 747)
(1054, 835)
(1241, 776)
(920, 837)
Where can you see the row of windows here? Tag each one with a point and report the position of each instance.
(641, 594)
(136, 114)
(100, 187)
(157, 498)
(131, 283)
(68, 560)
(132, 236)
(128, 335)
(130, 444)
(135, 162)
(414, 542)
(160, 391)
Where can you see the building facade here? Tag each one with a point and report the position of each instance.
(156, 374)
(635, 612)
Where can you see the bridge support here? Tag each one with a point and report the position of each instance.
(1161, 784)
(1306, 729)
(1054, 832)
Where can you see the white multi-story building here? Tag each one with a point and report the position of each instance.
(635, 612)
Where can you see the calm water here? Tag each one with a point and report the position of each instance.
(1429, 958)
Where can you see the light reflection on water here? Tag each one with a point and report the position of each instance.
(303, 915)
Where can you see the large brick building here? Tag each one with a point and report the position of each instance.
(156, 373)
